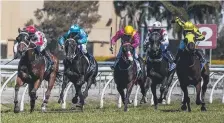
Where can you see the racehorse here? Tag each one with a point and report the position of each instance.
(126, 75)
(157, 68)
(78, 70)
(189, 73)
(31, 70)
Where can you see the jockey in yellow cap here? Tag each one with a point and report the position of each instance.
(190, 27)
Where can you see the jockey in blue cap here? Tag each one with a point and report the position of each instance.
(83, 39)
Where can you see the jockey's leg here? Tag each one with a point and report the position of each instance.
(167, 54)
(170, 59)
(200, 54)
(47, 55)
(179, 51)
(15, 50)
(117, 58)
(84, 50)
(137, 58)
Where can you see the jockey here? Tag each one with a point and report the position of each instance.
(128, 33)
(41, 42)
(157, 27)
(190, 27)
(83, 39)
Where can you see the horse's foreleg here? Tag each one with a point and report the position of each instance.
(162, 89)
(19, 83)
(198, 90)
(128, 93)
(91, 80)
(121, 92)
(49, 88)
(153, 88)
(64, 84)
(81, 97)
(186, 99)
(204, 88)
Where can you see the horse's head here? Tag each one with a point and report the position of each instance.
(24, 42)
(153, 48)
(71, 46)
(189, 41)
(127, 52)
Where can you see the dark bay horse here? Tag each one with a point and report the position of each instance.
(126, 75)
(189, 73)
(157, 68)
(78, 70)
(31, 70)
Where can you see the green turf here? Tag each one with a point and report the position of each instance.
(110, 114)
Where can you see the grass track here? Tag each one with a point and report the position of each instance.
(111, 114)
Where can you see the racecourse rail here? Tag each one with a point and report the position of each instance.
(12, 70)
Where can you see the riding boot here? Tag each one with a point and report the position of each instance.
(201, 57)
(90, 58)
(50, 62)
(170, 59)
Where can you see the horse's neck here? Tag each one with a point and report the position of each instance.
(123, 63)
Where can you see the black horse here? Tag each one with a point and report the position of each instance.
(189, 73)
(78, 70)
(126, 74)
(157, 68)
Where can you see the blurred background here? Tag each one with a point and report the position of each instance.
(97, 17)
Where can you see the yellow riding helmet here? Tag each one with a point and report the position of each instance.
(188, 26)
(128, 30)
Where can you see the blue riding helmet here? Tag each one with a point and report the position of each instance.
(74, 28)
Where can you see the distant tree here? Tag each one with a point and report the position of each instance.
(55, 18)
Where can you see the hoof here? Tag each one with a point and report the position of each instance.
(155, 107)
(143, 100)
(60, 101)
(31, 110)
(198, 102)
(183, 107)
(203, 109)
(75, 100)
(16, 110)
(160, 100)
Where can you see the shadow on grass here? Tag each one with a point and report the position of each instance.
(170, 110)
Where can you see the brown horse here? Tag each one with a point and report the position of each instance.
(31, 70)
(189, 73)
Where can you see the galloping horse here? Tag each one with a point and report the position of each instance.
(157, 68)
(78, 70)
(31, 70)
(126, 75)
(189, 73)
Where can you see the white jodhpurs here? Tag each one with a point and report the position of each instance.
(15, 48)
(83, 48)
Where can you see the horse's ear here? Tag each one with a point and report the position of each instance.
(19, 30)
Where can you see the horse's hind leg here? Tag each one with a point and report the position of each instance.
(128, 93)
(64, 84)
(186, 99)
(48, 92)
(168, 85)
(144, 89)
(19, 83)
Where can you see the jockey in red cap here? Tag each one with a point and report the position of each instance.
(40, 40)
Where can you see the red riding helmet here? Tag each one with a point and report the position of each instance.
(30, 29)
